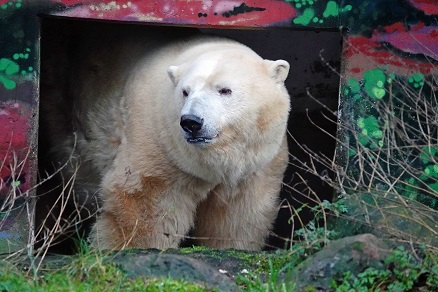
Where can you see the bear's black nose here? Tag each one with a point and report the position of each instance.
(191, 124)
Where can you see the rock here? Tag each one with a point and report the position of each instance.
(350, 254)
(160, 265)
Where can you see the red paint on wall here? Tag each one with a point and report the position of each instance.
(367, 53)
(416, 45)
(362, 45)
(14, 146)
(395, 27)
(419, 39)
(428, 6)
(206, 12)
(355, 70)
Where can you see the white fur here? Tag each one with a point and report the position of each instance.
(155, 185)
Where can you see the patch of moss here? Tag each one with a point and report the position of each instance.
(257, 261)
(89, 271)
(166, 284)
(358, 246)
(202, 250)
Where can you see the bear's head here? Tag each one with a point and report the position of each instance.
(232, 101)
(218, 92)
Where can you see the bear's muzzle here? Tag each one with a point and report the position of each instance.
(192, 126)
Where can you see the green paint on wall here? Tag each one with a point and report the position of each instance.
(427, 154)
(332, 9)
(306, 17)
(23, 56)
(431, 171)
(390, 78)
(354, 85)
(16, 184)
(8, 68)
(301, 3)
(309, 15)
(417, 80)
(354, 88)
(370, 131)
(12, 4)
(374, 83)
(347, 8)
(368, 123)
(7, 83)
(418, 77)
(434, 187)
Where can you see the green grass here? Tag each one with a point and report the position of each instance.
(402, 272)
(102, 278)
(92, 271)
(87, 272)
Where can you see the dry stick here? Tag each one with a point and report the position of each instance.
(298, 192)
(67, 187)
(378, 157)
(410, 218)
(318, 201)
(389, 131)
(417, 220)
(58, 227)
(309, 153)
(61, 198)
(290, 207)
(393, 191)
(29, 245)
(8, 204)
(410, 173)
(57, 172)
(374, 169)
(319, 102)
(319, 157)
(327, 63)
(417, 112)
(297, 215)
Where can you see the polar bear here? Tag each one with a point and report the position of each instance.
(174, 135)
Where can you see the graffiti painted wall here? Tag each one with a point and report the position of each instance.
(390, 51)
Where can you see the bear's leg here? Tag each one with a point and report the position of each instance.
(242, 218)
(145, 219)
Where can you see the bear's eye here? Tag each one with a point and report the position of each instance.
(185, 93)
(225, 91)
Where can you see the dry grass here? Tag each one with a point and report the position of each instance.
(385, 167)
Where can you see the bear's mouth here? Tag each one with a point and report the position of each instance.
(199, 140)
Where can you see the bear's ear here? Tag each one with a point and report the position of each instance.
(173, 72)
(278, 70)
